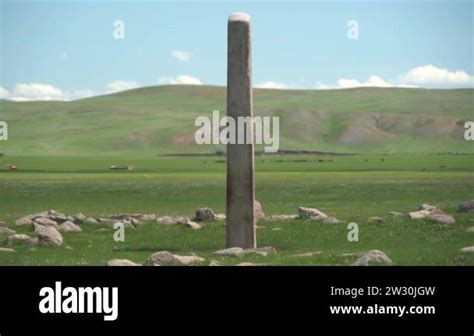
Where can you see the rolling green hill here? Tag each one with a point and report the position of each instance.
(160, 120)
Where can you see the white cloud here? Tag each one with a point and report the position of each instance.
(181, 55)
(272, 85)
(182, 79)
(4, 94)
(121, 85)
(429, 74)
(36, 91)
(373, 81)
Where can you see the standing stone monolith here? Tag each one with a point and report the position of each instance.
(240, 225)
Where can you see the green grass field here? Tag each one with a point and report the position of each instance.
(351, 188)
(157, 120)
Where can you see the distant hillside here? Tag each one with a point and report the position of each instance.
(160, 120)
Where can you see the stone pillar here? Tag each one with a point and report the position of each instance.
(240, 227)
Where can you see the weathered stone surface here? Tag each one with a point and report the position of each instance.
(48, 235)
(419, 214)
(45, 222)
(121, 262)
(470, 229)
(238, 251)
(442, 218)
(378, 220)
(69, 226)
(240, 196)
(467, 249)
(258, 211)
(467, 206)
(79, 218)
(166, 220)
(2, 223)
(6, 249)
(331, 220)
(192, 225)
(90, 221)
(24, 221)
(395, 214)
(280, 218)
(204, 214)
(231, 252)
(373, 257)
(22, 239)
(428, 207)
(165, 258)
(214, 263)
(311, 213)
(6, 231)
(145, 217)
(308, 254)
(220, 217)
(246, 263)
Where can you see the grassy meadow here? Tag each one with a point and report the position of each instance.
(351, 188)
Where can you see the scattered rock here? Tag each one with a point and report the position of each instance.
(468, 249)
(192, 225)
(168, 220)
(419, 214)
(470, 229)
(311, 213)
(428, 207)
(214, 263)
(378, 220)
(164, 258)
(145, 217)
(21, 238)
(433, 213)
(69, 226)
(204, 214)
(126, 224)
(24, 221)
(467, 206)
(220, 217)
(245, 263)
(90, 221)
(2, 223)
(442, 218)
(45, 221)
(307, 255)
(6, 249)
(48, 235)
(258, 211)
(373, 257)
(280, 218)
(238, 251)
(395, 214)
(230, 252)
(189, 260)
(79, 218)
(276, 229)
(121, 262)
(6, 231)
(331, 220)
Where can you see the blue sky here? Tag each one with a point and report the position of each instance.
(58, 50)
